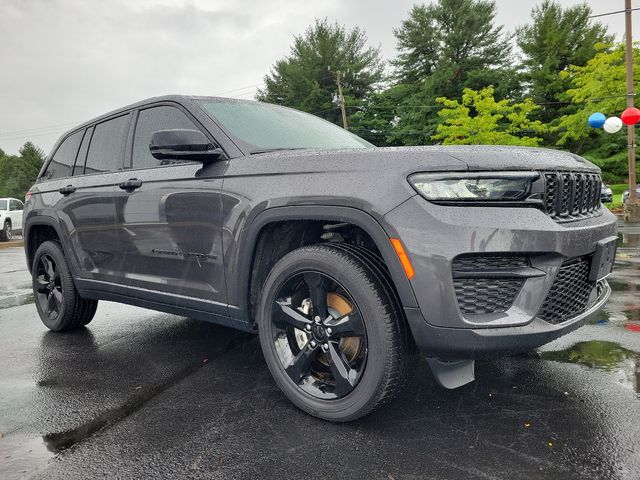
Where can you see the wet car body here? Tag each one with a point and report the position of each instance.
(489, 278)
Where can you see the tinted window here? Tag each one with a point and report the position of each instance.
(64, 158)
(3, 204)
(151, 120)
(15, 205)
(106, 150)
(78, 168)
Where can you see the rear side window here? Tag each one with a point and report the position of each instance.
(151, 120)
(15, 205)
(106, 151)
(78, 168)
(64, 158)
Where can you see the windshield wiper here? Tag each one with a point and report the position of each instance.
(267, 150)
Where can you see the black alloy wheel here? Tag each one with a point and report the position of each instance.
(59, 305)
(319, 335)
(332, 331)
(48, 287)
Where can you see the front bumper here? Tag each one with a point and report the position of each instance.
(463, 343)
(434, 235)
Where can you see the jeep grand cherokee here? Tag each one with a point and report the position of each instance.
(343, 257)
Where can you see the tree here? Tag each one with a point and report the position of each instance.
(444, 48)
(555, 39)
(17, 173)
(481, 120)
(598, 86)
(450, 43)
(306, 78)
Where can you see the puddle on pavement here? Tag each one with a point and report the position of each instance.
(603, 355)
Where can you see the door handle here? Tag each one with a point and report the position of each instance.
(67, 190)
(131, 184)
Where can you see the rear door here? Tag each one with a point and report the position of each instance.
(169, 225)
(88, 209)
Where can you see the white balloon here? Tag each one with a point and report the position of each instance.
(612, 124)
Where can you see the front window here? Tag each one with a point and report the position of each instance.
(3, 204)
(264, 127)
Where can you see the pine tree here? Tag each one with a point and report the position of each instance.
(555, 39)
(306, 78)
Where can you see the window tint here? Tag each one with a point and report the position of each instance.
(151, 120)
(106, 150)
(3, 204)
(15, 205)
(78, 168)
(64, 158)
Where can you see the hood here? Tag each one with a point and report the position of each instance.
(495, 157)
(438, 158)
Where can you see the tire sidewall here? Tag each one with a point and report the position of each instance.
(352, 279)
(68, 289)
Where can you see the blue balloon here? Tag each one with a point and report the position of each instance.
(596, 120)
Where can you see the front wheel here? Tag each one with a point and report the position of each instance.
(332, 333)
(57, 300)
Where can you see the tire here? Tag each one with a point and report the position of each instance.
(333, 379)
(56, 298)
(6, 234)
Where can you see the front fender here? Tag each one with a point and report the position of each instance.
(249, 238)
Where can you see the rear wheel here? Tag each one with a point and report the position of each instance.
(6, 234)
(57, 300)
(332, 333)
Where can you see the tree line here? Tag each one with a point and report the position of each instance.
(459, 78)
(18, 172)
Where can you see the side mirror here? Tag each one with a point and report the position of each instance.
(182, 144)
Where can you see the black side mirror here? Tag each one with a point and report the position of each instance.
(183, 144)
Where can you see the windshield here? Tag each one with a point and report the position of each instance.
(3, 204)
(264, 127)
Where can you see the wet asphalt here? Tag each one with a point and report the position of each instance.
(140, 394)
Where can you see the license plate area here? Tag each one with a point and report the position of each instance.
(603, 258)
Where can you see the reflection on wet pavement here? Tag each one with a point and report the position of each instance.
(619, 320)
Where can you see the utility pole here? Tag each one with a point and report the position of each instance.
(632, 207)
(339, 78)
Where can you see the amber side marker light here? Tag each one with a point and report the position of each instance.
(403, 257)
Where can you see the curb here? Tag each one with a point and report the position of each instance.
(11, 244)
(16, 300)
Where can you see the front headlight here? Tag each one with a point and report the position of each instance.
(474, 187)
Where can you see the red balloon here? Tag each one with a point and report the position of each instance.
(630, 116)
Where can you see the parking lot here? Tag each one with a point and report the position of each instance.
(139, 394)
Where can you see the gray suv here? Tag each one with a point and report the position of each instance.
(346, 259)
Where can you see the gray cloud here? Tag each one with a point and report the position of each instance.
(64, 61)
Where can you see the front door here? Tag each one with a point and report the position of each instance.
(168, 220)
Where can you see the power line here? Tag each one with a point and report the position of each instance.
(613, 13)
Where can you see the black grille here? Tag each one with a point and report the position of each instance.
(479, 294)
(486, 262)
(483, 295)
(569, 294)
(572, 195)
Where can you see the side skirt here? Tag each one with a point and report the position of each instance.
(120, 294)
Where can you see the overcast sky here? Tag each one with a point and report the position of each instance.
(65, 61)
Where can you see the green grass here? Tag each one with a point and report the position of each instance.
(617, 189)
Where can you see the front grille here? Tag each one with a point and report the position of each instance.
(483, 295)
(480, 295)
(572, 195)
(569, 294)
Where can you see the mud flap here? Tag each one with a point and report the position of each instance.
(453, 374)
